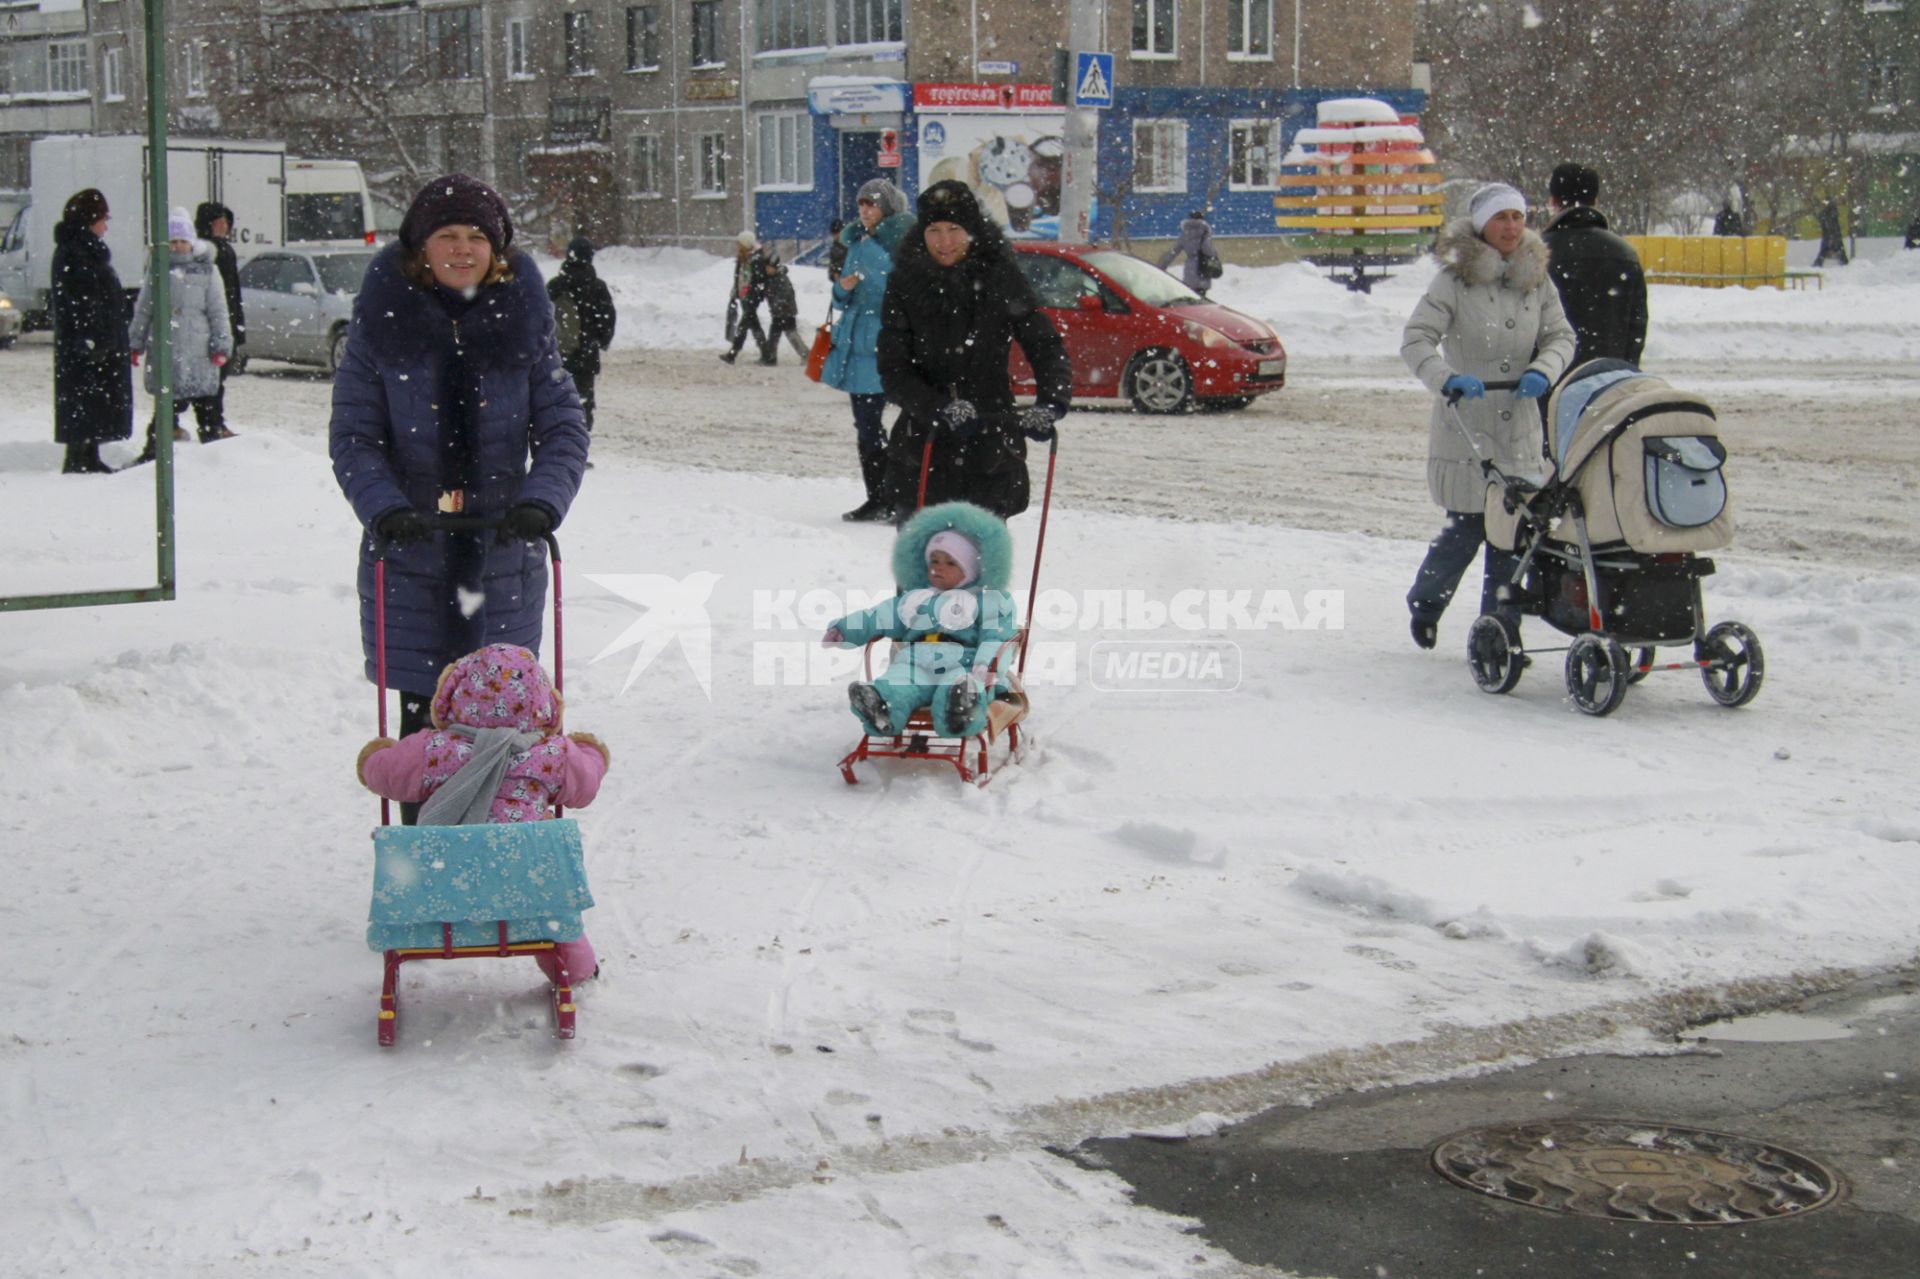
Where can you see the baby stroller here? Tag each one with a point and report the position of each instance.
(473, 892)
(1608, 545)
(970, 756)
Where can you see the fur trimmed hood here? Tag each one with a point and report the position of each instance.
(506, 324)
(1478, 263)
(982, 527)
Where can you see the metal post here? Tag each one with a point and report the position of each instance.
(1080, 136)
(160, 340)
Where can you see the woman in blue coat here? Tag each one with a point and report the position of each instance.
(452, 398)
(852, 366)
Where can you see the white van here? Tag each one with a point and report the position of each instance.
(328, 205)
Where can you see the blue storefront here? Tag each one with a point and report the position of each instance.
(1162, 153)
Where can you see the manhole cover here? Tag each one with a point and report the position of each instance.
(1631, 1170)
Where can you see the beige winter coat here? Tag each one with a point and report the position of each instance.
(1493, 318)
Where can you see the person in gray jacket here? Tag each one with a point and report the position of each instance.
(201, 336)
(1491, 314)
(1196, 241)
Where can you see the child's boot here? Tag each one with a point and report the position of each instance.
(870, 707)
(963, 699)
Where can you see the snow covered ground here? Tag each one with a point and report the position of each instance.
(838, 1025)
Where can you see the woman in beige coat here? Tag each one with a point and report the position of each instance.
(1490, 315)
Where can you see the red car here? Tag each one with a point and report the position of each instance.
(1135, 332)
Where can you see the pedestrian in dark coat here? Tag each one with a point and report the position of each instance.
(785, 310)
(1913, 233)
(1196, 241)
(213, 222)
(749, 291)
(955, 305)
(1727, 221)
(579, 287)
(1602, 287)
(1833, 243)
(92, 379)
(452, 398)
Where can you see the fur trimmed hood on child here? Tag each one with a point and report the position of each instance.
(499, 686)
(987, 532)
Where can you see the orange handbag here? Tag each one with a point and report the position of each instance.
(822, 347)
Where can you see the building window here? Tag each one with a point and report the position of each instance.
(790, 24)
(112, 87)
(519, 54)
(868, 22)
(67, 66)
(578, 28)
(1153, 29)
(1883, 87)
(648, 176)
(392, 41)
(1159, 155)
(709, 36)
(1250, 29)
(786, 150)
(453, 42)
(643, 38)
(193, 68)
(713, 161)
(1255, 155)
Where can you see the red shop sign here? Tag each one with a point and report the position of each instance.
(984, 97)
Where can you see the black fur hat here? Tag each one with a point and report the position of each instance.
(457, 200)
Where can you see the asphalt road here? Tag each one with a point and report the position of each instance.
(1346, 1190)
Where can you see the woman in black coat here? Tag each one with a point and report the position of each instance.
(956, 303)
(92, 374)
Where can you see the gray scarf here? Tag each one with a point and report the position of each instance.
(466, 798)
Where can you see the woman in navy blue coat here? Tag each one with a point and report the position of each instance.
(452, 398)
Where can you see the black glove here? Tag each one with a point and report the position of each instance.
(527, 521)
(960, 417)
(1037, 421)
(402, 526)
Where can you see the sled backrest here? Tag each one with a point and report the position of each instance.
(530, 874)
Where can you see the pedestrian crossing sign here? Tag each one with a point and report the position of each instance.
(1093, 80)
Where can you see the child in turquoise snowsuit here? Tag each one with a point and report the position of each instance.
(952, 612)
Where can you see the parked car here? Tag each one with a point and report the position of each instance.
(299, 303)
(1137, 333)
(11, 322)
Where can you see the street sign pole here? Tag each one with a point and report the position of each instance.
(1081, 136)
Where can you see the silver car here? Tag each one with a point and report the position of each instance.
(299, 303)
(11, 322)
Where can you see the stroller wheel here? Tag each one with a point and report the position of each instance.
(1734, 664)
(1641, 658)
(1597, 672)
(1494, 654)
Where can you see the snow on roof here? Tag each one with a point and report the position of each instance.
(854, 82)
(1358, 111)
(1364, 133)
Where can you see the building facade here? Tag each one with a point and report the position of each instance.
(685, 121)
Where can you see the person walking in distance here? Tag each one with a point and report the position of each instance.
(583, 319)
(213, 222)
(1598, 275)
(749, 291)
(92, 380)
(1202, 265)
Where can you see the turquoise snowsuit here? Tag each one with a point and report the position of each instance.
(944, 634)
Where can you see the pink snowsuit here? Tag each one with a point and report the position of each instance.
(500, 686)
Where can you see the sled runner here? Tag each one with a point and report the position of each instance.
(972, 757)
(482, 891)
(1608, 543)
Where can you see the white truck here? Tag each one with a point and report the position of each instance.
(247, 176)
(328, 204)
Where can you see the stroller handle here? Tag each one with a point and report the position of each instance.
(1453, 397)
(443, 523)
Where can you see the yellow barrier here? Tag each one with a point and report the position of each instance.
(1717, 261)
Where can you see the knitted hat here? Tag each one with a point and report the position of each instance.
(1574, 184)
(85, 208)
(883, 195)
(499, 686)
(963, 551)
(457, 200)
(1495, 197)
(746, 239)
(952, 201)
(580, 249)
(179, 225)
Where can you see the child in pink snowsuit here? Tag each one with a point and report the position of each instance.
(494, 711)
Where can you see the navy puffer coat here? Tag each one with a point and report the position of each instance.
(438, 393)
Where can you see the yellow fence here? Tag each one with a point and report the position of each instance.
(1716, 261)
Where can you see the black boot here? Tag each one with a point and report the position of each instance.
(870, 706)
(873, 472)
(84, 459)
(962, 699)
